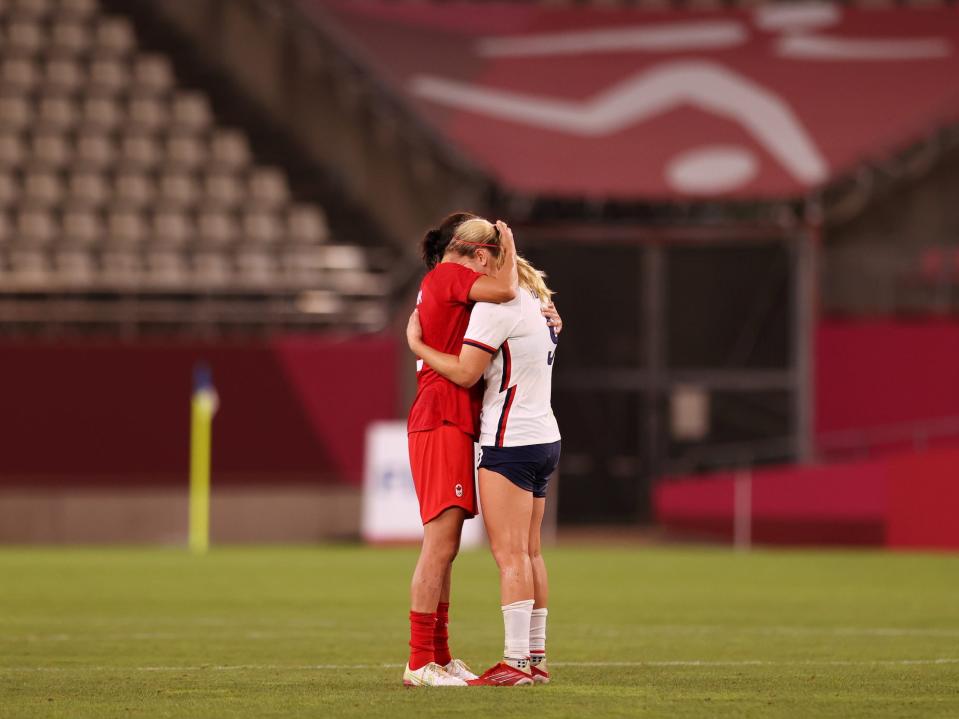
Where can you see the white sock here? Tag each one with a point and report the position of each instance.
(516, 618)
(537, 634)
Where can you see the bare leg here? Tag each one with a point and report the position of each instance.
(431, 578)
(447, 584)
(507, 512)
(540, 580)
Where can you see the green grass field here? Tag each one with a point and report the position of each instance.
(314, 632)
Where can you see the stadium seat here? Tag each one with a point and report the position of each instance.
(306, 224)
(172, 228)
(140, 150)
(9, 190)
(12, 151)
(178, 190)
(78, 9)
(114, 37)
(6, 228)
(23, 37)
(217, 228)
(133, 189)
(81, 228)
(351, 282)
(223, 190)
(69, 38)
(261, 228)
(50, 150)
(229, 150)
(211, 269)
(184, 151)
(42, 189)
(152, 75)
(31, 8)
(87, 189)
(341, 257)
(75, 267)
(126, 228)
(191, 112)
(56, 113)
(257, 267)
(94, 150)
(147, 114)
(30, 267)
(303, 269)
(108, 76)
(102, 113)
(63, 76)
(165, 268)
(15, 112)
(121, 268)
(19, 75)
(35, 227)
(268, 188)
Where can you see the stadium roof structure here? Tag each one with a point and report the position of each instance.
(773, 103)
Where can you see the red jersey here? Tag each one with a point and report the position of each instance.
(444, 306)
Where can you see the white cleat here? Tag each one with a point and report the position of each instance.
(430, 675)
(459, 669)
(540, 672)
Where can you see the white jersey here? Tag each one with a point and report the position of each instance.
(516, 403)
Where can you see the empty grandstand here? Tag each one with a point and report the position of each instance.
(124, 200)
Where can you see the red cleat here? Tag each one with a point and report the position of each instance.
(502, 675)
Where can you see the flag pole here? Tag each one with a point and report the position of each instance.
(203, 406)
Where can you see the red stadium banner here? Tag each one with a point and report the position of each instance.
(632, 104)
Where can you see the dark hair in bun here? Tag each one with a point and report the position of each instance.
(436, 240)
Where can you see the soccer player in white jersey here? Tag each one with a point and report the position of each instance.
(513, 348)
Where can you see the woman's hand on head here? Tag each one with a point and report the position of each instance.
(506, 234)
(552, 318)
(414, 330)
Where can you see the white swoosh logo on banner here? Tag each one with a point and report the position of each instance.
(666, 37)
(823, 47)
(705, 85)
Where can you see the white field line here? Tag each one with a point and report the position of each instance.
(679, 629)
(358, 667)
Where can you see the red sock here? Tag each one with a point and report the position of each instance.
(441, 635)
(422, 626)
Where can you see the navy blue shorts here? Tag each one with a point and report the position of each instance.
(528, 467)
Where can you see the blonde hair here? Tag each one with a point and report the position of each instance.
(533, 280)
(476, 232)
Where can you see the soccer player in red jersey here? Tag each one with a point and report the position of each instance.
(470, 260)
(511, 347)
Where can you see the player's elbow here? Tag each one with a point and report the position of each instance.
(507, 294)
(468, 379)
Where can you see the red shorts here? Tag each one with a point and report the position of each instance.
(442, 461)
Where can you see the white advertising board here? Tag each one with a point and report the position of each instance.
(390, 510)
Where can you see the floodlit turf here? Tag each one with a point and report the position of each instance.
(633, 632)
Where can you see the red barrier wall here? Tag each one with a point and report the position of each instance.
(924, 501)
(908, 500)
(91, 411)
(885, 372)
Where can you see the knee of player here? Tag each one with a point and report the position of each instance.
(442, 551)
(509, 555)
